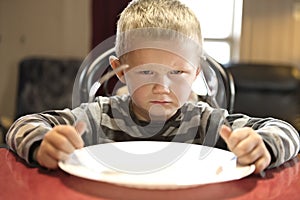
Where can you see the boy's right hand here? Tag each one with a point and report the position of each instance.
(58, 143)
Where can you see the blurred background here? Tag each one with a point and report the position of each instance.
(235, 31)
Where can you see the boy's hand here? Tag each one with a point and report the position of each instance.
(248, 146)
(58, 143)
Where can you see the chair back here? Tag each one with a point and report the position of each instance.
(45, 83)
(91, 71)
(267, 90)
(226, 89)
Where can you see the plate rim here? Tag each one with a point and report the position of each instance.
(63, 165)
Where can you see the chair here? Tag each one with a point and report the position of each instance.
(93, 68)
(89, 74)
(264, 90)
(2, 134)
(45, 83)
(225, 84)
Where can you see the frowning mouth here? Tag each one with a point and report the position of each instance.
(160, 102)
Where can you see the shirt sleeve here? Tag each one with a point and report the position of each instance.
(29, 130)
(280, 137)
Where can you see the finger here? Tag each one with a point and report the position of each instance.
(71, 134)
(248, 145)
(48, 162)
(259, 156)
(225, 132)
(80, 127)
(48, 156)
(237, 136)
(52, 151)
(261, 164)
(250, 157)
(59, 141)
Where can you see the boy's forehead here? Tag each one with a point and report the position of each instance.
(160, 39)
(155, 56)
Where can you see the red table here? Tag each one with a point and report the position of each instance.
(17, 181)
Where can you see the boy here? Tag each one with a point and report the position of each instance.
(161, 42)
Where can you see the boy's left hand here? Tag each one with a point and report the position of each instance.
(248, 146)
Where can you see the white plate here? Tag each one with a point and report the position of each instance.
(155, 165)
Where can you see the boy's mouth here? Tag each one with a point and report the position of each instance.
(160, 102)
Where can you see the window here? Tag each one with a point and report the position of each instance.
(221, 26)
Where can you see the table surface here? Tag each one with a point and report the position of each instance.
(18, 181)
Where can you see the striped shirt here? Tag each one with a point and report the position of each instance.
(110, 119)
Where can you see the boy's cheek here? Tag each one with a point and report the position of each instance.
(182, 91)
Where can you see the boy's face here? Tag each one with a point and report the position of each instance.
(158, 81)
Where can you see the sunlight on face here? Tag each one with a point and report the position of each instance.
(159, 82)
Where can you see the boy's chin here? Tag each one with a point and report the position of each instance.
(159, 113)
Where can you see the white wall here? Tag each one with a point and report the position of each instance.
(56, 28)
(270, 32)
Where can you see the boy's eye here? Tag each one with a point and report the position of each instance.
(176, 72)
(146, 72)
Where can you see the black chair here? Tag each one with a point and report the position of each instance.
(226, 89)
(264, 90)
(2, 134)
(93, 68)
(45, 83)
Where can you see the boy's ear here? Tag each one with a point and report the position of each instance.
(198, 70)
(115, 63)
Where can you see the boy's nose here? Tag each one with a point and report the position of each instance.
(161, 84)
(160, 89)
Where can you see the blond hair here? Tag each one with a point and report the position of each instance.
(163, 14)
